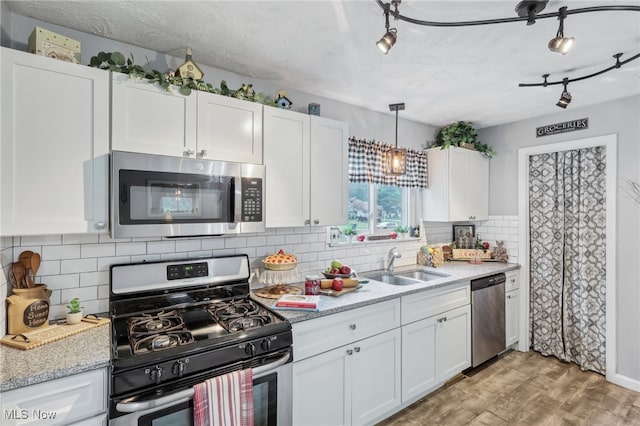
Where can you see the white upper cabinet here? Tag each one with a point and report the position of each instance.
(54, 150)
(286, 159)
(306, 162)
(329, 171)
(149, 119)
(146, 118)
(458, 185)
(229, 129)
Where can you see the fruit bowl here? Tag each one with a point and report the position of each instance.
(332, 276)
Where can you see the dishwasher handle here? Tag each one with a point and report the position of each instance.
(489, 281)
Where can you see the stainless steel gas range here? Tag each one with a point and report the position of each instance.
(178, 323)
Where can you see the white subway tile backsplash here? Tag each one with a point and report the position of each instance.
(80, 239)
(41, 240)
(106, 238)
(78, 265)
(59, 282)
(236, 242)
(128, 249)
(154, 247)
(61, 252)
(145, 258)
(188, 245)
(98, 250)
(83, 293)
(293, 239)
(94, 278)
(275, 240)
(105, 262)
(213, 243)
(49, 267)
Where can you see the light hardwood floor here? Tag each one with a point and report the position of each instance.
(525, 389)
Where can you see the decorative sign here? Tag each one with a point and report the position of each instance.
(567, 126)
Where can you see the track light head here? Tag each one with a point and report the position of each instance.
(387, 41)
(560, 43)
(565, 98)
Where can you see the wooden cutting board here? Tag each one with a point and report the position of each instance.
(339, 293)
(51, 333)
(275, 291)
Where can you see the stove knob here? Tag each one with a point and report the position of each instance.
(178, 368)
(250, 349)
(265, 344)
(156, 374)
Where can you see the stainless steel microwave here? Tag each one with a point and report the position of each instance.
(157, 195)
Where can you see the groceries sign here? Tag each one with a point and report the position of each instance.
(567, 126)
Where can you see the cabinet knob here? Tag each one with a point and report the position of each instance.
(349, 352)
(357, 349)
(307, 222)
(508, 296)
(316, 221)
(352, 326)
(100, 225)
(202, 153)
(188, 152)
(445, 319)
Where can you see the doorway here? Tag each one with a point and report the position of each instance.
(525, 155)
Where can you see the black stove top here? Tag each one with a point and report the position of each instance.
(172, 322)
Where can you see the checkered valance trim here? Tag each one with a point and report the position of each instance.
(367, 159)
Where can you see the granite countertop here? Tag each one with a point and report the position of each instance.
(78, 353)
(376, 291)
(90, 350)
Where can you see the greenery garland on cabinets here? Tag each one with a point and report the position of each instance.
(462, 133)
(116, 62)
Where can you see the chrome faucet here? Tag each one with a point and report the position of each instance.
(393, 254)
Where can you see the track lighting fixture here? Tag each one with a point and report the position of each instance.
(560, 43)
(565, 98)
(396, 161)
(389, 38)
(528, 10)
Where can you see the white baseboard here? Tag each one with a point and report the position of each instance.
(625, 382)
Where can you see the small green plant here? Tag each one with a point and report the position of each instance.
(74, 306)
(348, 230)
(401, 229)
(462, 132)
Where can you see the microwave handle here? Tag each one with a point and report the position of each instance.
(187, 394)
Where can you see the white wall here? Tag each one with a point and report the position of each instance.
(620, 117)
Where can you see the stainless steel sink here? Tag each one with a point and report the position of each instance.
(405, 278)
(421, 275)
(392, 279)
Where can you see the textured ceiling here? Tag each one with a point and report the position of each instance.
(328, 48)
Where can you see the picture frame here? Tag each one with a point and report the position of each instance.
(464, 236)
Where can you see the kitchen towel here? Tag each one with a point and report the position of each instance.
(225, 400)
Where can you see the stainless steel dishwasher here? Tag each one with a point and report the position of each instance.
(487, 318)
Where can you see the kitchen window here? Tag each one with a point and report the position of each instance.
(375, 208)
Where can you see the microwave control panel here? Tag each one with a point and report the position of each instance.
(251, 199)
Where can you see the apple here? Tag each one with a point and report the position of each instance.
(485, 245)
(360, 237)
(337, 284)
(393, 235)
(345, 269)
(334, 271)
(336, 264)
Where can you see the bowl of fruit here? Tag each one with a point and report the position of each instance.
(337, 270)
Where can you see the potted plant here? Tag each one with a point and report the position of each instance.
(463, 134)
(349, 232)
(74, 315)
(402, 230)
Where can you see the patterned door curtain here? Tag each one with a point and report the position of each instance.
(568, 271)
(367, 160)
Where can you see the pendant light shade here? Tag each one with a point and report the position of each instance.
(396, 158)
(560, 43)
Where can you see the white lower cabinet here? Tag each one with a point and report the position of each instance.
(512, 313)
(346, 366)
(354, 384)
(78, 399)
(436, 338)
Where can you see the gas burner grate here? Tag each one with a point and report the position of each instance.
(149, 333)
(237, 315)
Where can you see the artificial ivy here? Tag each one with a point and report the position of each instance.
(116, 62)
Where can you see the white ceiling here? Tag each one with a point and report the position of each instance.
(328, 48)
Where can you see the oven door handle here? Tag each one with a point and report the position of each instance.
(187, 394)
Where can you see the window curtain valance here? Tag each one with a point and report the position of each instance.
(367, 164)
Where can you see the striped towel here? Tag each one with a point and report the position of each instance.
(225, 400)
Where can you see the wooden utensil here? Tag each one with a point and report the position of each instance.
(35, 265)
(18, 273)
(25, 259)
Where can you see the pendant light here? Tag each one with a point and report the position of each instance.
(396, 161)
(560, 43)
(565, 98)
